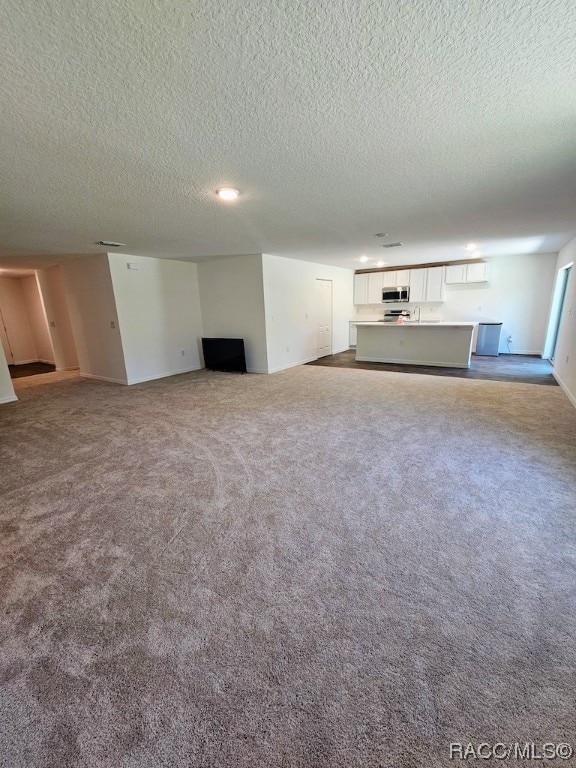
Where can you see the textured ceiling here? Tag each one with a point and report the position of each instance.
(439, 122)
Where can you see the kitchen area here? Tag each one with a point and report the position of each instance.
(399, 317)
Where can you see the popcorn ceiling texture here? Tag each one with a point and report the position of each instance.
(437, 120)
(315, 569)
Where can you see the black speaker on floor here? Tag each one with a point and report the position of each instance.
(224, 354)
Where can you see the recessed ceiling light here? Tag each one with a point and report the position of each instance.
(380, 263)
(392, 245)
(227, 193)
(109, 243)
(381, 234)
(363, 259)
(470, 246)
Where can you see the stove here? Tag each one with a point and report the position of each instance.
(394, 314)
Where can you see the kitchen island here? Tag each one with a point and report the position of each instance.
(448, 345)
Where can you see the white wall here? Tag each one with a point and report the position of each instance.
(232, 300)
(53, 293)
(37, 318)
(158, 308)
(18, 328)
(517, 294)
(6, 389)
(291, 309)
(92, 307)
(565, 357)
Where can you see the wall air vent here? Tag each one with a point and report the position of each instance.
(109, 243)
(392, 245)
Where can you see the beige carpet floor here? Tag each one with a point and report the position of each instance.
(320, 568)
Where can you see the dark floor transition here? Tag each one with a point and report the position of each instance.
(521, 369)
(30, 369)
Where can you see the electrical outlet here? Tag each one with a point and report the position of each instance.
(112, 324)
(183, 353)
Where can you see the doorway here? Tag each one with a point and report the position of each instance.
(324, 318)
(24, 328)
(35, 328)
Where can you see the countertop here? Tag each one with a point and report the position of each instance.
(416, 324)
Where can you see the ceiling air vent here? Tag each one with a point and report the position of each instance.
(392, 245)
(109, 243)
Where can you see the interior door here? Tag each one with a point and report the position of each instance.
(560, 313)
(324, 326)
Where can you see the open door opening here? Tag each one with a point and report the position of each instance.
(35, 327)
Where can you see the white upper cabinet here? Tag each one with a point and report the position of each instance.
(403, 277)
(476, 273)
(361, 289)
(455, 273)
(375, 287)
(467, 273)
(435, 284)
(417, 285)
(427, 285)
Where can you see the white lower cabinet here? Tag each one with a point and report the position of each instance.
(353, 334)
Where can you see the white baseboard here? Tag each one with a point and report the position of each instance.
(10, 399)
(306, 360)
(34, 360)
(291, 365)
(164, 375)
(565, 389)
(69, 368)
(102, 378)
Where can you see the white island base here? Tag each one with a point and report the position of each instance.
(448, 345)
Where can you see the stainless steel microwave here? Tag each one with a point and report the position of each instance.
(395, 295)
